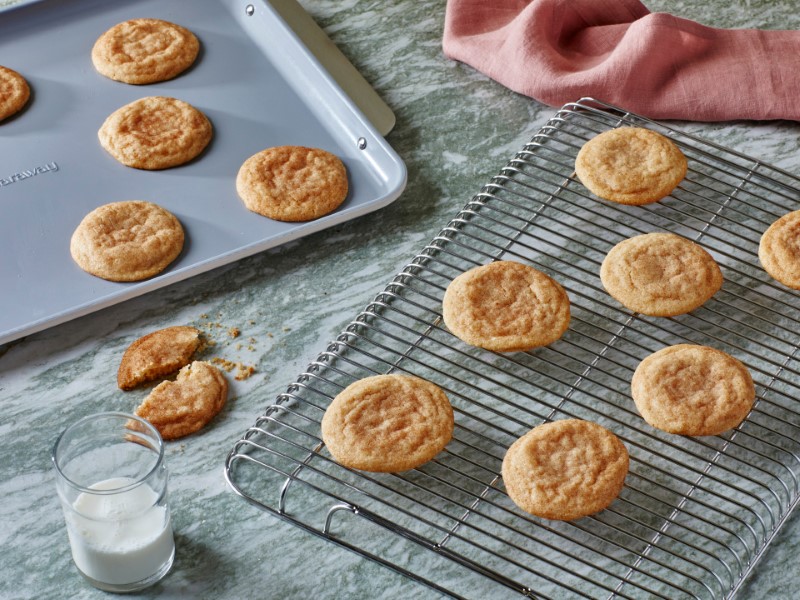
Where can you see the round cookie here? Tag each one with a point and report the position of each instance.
(186, 405)
(156, 132)
(660, 274)
(779, 250)
(387, 423)
(143, 51)
(630, 165)
(14, 92)
(506, 306)
(565, 470)
(127, 241)
(292, 183)
(157, 354)
(692, 390)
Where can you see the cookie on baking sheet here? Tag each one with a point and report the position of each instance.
(156, 132)
(387, 423)
(565, 470)
(292, 183)
(630, 165)
(186, 405)
(157, 354)
(14, 92)
(143, 51)
(506, 306)
(660, 274)
(692, 390)
(127, 241)
(779, 250)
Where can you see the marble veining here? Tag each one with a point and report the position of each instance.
(455, 128)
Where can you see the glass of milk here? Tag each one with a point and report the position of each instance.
(112, 481)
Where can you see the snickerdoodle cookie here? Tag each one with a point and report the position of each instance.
(779, 250)
(692, 390)
(143, 51)
(292, 183)
(184, 406)
(127, 241)
(387, 423)
(565, 470)
(14, 92)
(660, 274)
(506, 306)
(157, 354)
(630, 165)
(156, 132)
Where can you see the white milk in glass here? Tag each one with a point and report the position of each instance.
(120, 538)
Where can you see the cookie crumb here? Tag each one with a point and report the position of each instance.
(243, 371)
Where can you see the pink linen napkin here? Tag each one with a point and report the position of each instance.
(654, 64)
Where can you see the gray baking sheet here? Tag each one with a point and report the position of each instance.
(256, 82)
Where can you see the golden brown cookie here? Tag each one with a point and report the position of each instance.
(292, 183)
(144, 51)
(387, 423)
(157, 354)
(506, 306)
(660, 274)
(779, 250)
(155, 133)
(630, 165)
(565, 470)
(14, 92)
(692, 390)
(178, 408)
(127, 241)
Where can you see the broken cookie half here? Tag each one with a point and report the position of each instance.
(157, 355)
(182, 407)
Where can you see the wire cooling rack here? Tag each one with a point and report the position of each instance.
(695, 514)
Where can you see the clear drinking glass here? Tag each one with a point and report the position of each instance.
(112, 481)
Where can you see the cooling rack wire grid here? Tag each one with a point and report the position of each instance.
(695, 514)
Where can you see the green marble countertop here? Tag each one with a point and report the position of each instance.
(455, 128)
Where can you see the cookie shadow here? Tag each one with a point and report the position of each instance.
(47, 109)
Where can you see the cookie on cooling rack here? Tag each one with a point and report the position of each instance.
(660, 274)
(565, 470)
(157, 354)
(142, 51)
(630, 165)
(184, 406)
(14, 92)
(292, 183)
(779, 250)
(387, 423)
(692, 390)
(154, 133)
(506, 306)
(127, 241)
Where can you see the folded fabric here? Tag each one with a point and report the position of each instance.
(654, 64)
